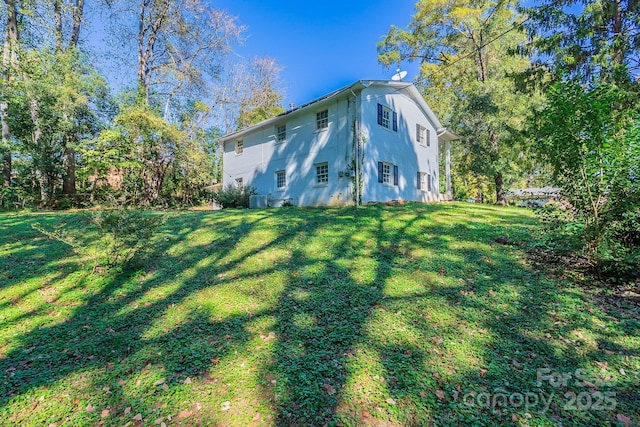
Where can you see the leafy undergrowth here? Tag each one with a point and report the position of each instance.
(384, 315)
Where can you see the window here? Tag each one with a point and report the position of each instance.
(322, 173)
(281, 179)
(322, 119)
(385, 171)
(239, 147)
(387, 117)
(281, 133)
(239, 182)
(424, 181)
(421, 135)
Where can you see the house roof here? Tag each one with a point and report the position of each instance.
(399, 86)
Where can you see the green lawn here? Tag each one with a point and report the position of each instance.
(384, 316)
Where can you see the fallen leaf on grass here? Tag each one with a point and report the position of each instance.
(256, 417)
(90, 408)
(160, 381)
(187, 380)
(138, 417)
(483, 372)
(105, 413)
(440, 394)
(225, 406)
(603, 365)
(330, 390)
(624, 420)
(514, 418)
(127, 410)
(185, 414)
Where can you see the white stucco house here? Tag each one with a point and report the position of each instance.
(372, 141)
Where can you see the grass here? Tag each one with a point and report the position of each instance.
(381, 316)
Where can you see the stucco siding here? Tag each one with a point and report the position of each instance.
(399, 148)
(305, 148)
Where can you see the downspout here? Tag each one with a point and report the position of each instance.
(356, 130)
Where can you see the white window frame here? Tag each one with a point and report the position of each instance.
(281, 136)
(239, 147)
(387, 173)
(422, 135)
(281, 175)
(322, 119)
(239, 182)
(322, 176)
(387, 117)
(426, 181)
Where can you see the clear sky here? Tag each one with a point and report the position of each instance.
(322, 45)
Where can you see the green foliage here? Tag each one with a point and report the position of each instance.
(590, 135)
(381, 315)
(470, 86)
(587, 39)
(125, 234)
(233, 196)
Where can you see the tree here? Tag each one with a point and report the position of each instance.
(9, 60)
(260, 98)
(466, 74)
(594, 152)
(587, 38)
(180, 46)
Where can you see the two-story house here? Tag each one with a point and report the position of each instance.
(372, 141)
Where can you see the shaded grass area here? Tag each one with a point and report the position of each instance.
(403, 315)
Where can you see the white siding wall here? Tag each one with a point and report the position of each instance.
(399, 148)
(303, 149)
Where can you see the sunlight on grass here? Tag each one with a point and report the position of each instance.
(373, 316)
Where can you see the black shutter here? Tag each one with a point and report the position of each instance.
(417, 132)
(395, 174)
(379, 114)
(428, 132)
(429, 181)
(395, 121)
(380, 166)
(418, 180)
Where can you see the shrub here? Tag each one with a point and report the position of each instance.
(590, 136)
(233, 196)
(123, 236)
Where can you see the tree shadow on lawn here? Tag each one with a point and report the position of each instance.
(106, 332)
(367, 326)
(469, 345)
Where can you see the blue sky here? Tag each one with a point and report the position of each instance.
(322, 45)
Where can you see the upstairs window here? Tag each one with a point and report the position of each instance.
(387, 118)
(421, 135)
(239, 147)
(322, 173)
(281, 133)
(322, 119)
(281, 179)
(239, 182)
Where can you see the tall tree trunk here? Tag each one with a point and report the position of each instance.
(68, 154)
(69, 165)
(9, 59)
(78, 10)
(6, 152)
(57, 21)
(42, 171)
(501, 197)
